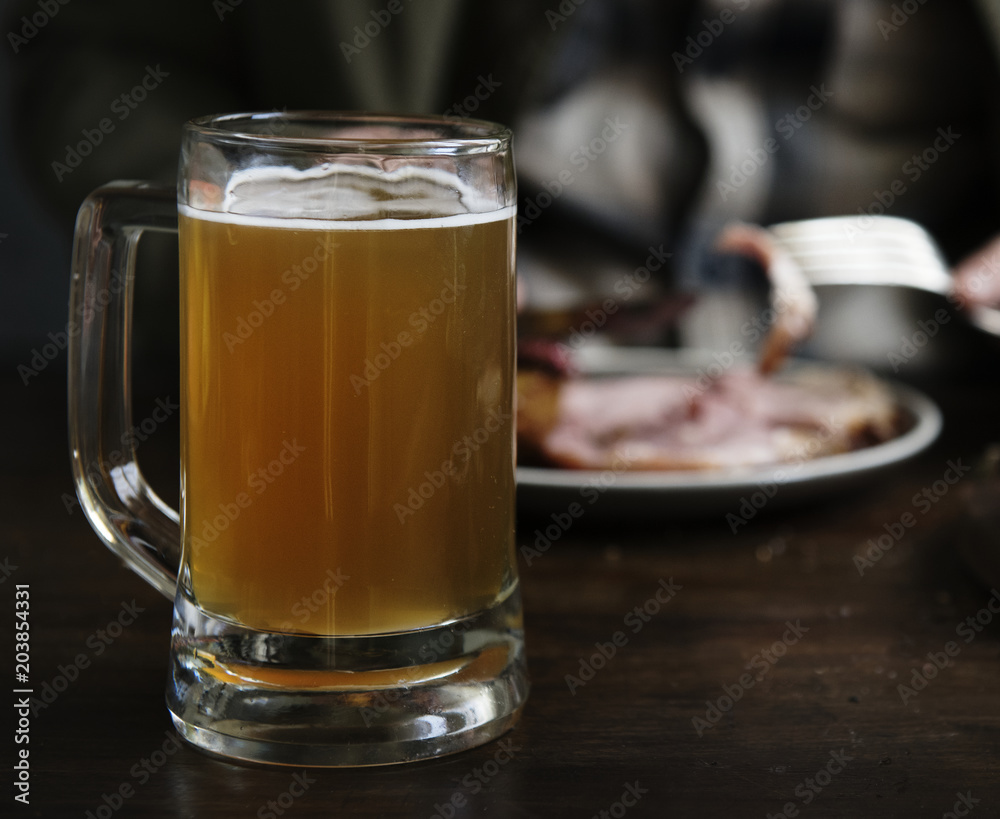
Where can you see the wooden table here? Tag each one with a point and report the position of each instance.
(768, 684)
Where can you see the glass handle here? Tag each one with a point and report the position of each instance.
(133, 522)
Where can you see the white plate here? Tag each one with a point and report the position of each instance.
(737, 492)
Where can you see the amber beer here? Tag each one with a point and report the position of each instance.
(347, 450)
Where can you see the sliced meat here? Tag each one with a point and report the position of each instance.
(792, 296)
(668, 423)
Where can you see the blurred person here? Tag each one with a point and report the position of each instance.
(639, 125)
(803, 110)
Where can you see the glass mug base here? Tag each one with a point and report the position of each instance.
(346, 701)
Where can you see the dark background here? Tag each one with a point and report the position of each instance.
(893, 86)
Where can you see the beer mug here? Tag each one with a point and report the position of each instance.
(343, 567)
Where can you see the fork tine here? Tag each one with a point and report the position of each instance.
(887, 251)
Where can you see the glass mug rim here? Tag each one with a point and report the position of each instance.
(389, 134)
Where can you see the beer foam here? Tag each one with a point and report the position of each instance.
(343, 197)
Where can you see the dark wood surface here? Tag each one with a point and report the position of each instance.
(833, 692)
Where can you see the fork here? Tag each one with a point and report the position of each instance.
(875, 250)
